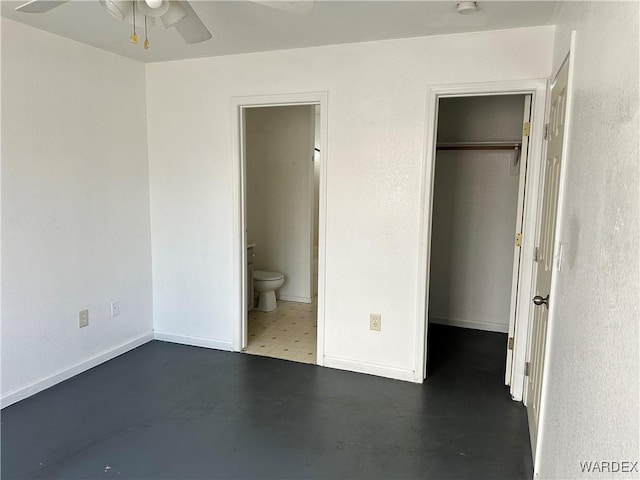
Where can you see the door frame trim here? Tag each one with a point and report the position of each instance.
(538, 89)
(239, 258)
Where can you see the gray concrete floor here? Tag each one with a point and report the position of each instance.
(166, 411)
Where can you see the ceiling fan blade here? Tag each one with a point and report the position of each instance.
(40, 6)
(190, 27)
(297, 7)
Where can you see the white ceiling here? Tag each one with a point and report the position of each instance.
(241, 26)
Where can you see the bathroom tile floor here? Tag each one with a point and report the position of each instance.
(289, 332)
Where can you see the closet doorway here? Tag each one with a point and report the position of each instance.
(481, 159)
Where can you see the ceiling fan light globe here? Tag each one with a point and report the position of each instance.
(153, 3)
(174, 14)
(118, 9)
(149, 11)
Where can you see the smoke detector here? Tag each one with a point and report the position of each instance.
(466, 7)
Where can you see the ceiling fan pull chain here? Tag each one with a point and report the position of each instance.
(134, 36)
(146, 37)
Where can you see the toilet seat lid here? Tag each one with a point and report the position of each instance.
(261, 275)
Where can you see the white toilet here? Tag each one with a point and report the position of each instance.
(266, 284)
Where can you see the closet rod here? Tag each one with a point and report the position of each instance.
(479, 146)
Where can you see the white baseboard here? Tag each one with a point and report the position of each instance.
(293, 298)
(31, 389)
(194, 341)
(486, 326)
(370, 368)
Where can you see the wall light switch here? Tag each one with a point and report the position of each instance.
(83, 318)
(375, 322)
(115, 308)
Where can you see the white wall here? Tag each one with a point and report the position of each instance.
(474, 214)
(376, 133)
(474, 219)
(490, 118)
(591, 402)
(279, 145)
(75, 207)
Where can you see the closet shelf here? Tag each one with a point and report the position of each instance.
(479, 146)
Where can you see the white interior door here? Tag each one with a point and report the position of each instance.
(524, 155)
(545, 260)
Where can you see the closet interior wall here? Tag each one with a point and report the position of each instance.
(474, 212)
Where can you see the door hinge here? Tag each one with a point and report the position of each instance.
(526, 129)
(536, 254)
(510, 343)
(518, 239)
(527, 365)
(546, 131)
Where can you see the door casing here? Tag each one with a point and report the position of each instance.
(237, 108)
(538, 89)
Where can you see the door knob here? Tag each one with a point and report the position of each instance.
(539, 300)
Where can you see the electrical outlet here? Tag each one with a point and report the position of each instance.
(115, 308)
(83, 318)
(375, 322)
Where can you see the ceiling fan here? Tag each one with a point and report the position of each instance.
(172, 13)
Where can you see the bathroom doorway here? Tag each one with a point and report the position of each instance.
(281, 169)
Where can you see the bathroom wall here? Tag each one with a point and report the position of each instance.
(376, 116)
(279, 150)
(474, 214)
